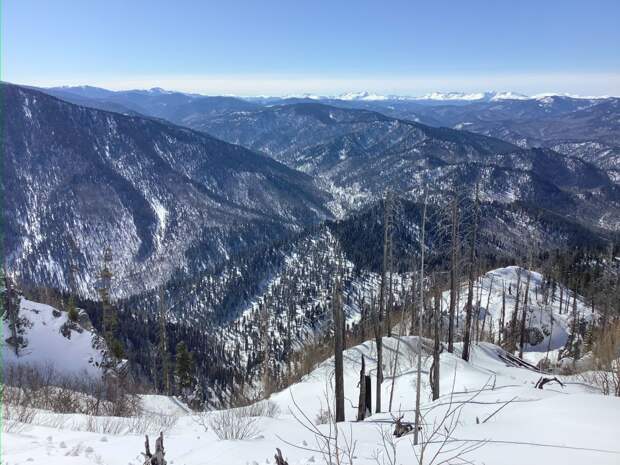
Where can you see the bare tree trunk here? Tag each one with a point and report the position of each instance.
(413, 300)
(470, 285)
(524, 313)
(401, 327)
(420, 307)
(453, 276)
(387, 265)
(550, 335)
(486, 310)
(503, 315)
(515, 315)
(338, 348)
(436, 346)
(379, 345)
(575, 325)
(361, 404)
(390, 299)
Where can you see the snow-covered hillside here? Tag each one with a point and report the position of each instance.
(543, 314)
(569, 425)
(50, 338)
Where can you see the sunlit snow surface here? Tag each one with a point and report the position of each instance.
(537, 426)
(46, 345)
(570, 425)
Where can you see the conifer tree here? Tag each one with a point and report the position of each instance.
(184, 369)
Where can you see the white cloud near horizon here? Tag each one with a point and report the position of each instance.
(583, 84)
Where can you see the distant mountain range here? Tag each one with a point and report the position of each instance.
(585, 127)
(100, 168)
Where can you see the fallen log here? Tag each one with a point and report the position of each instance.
(542, 381)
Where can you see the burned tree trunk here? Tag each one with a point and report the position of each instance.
(524, 314)
(338, 348)
(158, 458)
(379, 344)
(413, 300)
(361, 404)
(513, 321)
(278, 457)
(486, 311)
(418, 416)
(503, 315)
(453, 276)
(436, 345)
(384, 309)
(470, 285)
(368, 395)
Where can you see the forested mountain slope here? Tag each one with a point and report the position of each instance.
(78, 180)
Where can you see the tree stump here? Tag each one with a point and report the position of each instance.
(279, 459)
(158, 458)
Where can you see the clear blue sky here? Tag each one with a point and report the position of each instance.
(293, 46)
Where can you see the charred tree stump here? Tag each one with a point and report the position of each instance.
(279, 459)
(401, 427)
(158, 458)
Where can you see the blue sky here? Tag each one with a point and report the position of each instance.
(327, 47)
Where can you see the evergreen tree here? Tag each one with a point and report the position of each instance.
(184, 369)
(72, 311)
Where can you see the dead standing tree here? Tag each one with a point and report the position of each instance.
(486, 310)
(338, 318)
(470, 284)
(453, 273)
(434, 371)
(385, 300)
(502, 317)
(512, 337)
(524, 312)
(379, 345)
(420, 309)
(364, 407)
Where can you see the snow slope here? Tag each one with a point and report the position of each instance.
(73, 353)
(573, 425)
(540, 314)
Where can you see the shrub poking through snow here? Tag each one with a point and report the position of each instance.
(235, 424)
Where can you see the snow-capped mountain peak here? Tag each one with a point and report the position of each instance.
(362, 96)
(489, 96)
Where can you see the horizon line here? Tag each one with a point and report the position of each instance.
(581, 85)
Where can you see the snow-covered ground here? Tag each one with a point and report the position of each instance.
(571, 425)
(542, 314)
(73, 352)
